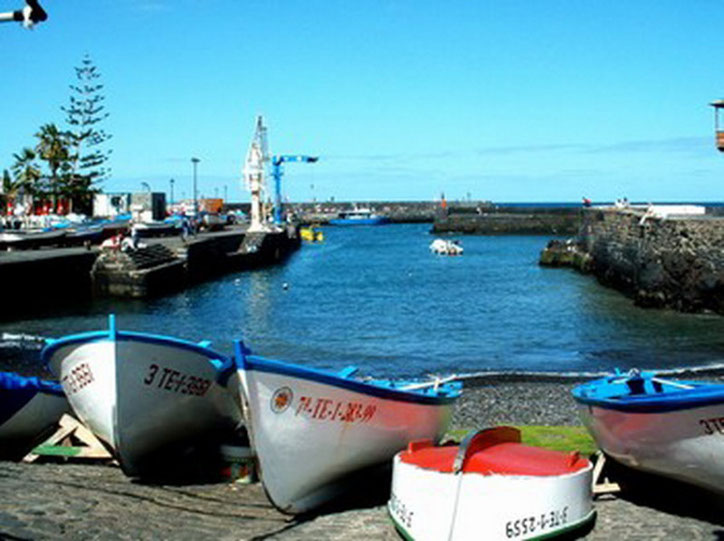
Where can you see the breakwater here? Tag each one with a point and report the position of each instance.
(671, 261)
(507, 220)
(460, 217)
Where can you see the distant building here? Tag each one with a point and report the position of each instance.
(111, 204)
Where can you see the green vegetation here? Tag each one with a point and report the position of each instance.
(65, 164)
(557, 438)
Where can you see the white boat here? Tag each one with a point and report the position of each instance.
(669, 427)
(489, 487)
(359, 216)
(152, 399)
(446, 247)
(30, 408)
(30, 238)
(310, 428)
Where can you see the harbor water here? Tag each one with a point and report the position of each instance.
(377, 298)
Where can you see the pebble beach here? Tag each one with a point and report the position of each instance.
(91, 501)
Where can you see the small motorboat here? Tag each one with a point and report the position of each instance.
(311, 234)
(446, 247)
(311, 429)
(30, 409)
(668, 427)
(152, 399)
(491, 486)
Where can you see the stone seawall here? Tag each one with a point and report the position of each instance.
(504, 221)
(675, 262)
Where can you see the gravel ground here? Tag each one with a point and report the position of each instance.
(83, 501)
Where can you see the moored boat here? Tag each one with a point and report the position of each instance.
(29, 409)
(311, 234)
(446, 247)
(669, 427)
(311, 428)
(30, 238)
(489, 487)
(361, 216)
(152, 399)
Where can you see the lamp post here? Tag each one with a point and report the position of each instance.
(171, 183)
(195, 161)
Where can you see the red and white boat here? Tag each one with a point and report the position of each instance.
(491, 486)
(311, 429)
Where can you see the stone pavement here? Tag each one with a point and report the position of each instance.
(78, 501)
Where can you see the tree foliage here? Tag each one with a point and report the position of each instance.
(73, 160)
(84, 113)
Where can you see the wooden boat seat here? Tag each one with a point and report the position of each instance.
(489, 454)
(348, 371)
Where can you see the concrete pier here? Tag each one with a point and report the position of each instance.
(33, 277)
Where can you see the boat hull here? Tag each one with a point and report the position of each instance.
(683, 444)
(151, 399)
(456, 493)
(379, 220)
(422, 504)
(309, 435)
(26, 417)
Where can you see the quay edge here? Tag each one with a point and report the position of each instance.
(37, 281)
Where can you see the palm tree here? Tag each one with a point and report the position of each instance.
(26, 172)
(54, 148)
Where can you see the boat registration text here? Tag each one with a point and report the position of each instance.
(175, 381)
(528, 525)
(326, 409)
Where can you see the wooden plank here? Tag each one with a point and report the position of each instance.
(601, 485)
(63, 443)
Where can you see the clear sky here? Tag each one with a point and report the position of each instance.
(507, 100)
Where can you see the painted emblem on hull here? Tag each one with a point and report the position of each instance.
(281, 399)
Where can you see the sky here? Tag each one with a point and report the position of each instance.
(505, 100)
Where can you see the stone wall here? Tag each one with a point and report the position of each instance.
(675, 262)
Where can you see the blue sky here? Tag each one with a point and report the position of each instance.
(537, 100)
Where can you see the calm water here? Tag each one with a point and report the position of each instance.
(376, 297)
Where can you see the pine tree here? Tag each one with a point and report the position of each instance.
(84, 113)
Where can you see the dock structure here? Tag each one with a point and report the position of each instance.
(161, 266)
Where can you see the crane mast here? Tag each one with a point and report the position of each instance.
(277, 172)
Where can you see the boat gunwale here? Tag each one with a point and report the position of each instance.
(702, 395)
(250, 362)
(113, 335)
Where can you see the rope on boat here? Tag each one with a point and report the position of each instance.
(433, 383)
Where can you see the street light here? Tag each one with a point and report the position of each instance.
(195, 161)
(171, 183)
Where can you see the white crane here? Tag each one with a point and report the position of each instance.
(257, 161)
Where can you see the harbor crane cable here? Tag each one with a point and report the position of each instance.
(278, 171)
(30, 15)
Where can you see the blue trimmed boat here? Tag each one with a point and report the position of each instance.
(152, 399)
(358, 217)
(311, 428)
(669, 427)
(30, 409)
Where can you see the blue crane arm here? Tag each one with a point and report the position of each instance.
(278, 160)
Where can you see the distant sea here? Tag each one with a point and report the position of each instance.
(376, 297)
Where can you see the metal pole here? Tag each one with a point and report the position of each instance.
(171, 182)
(195, 161)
